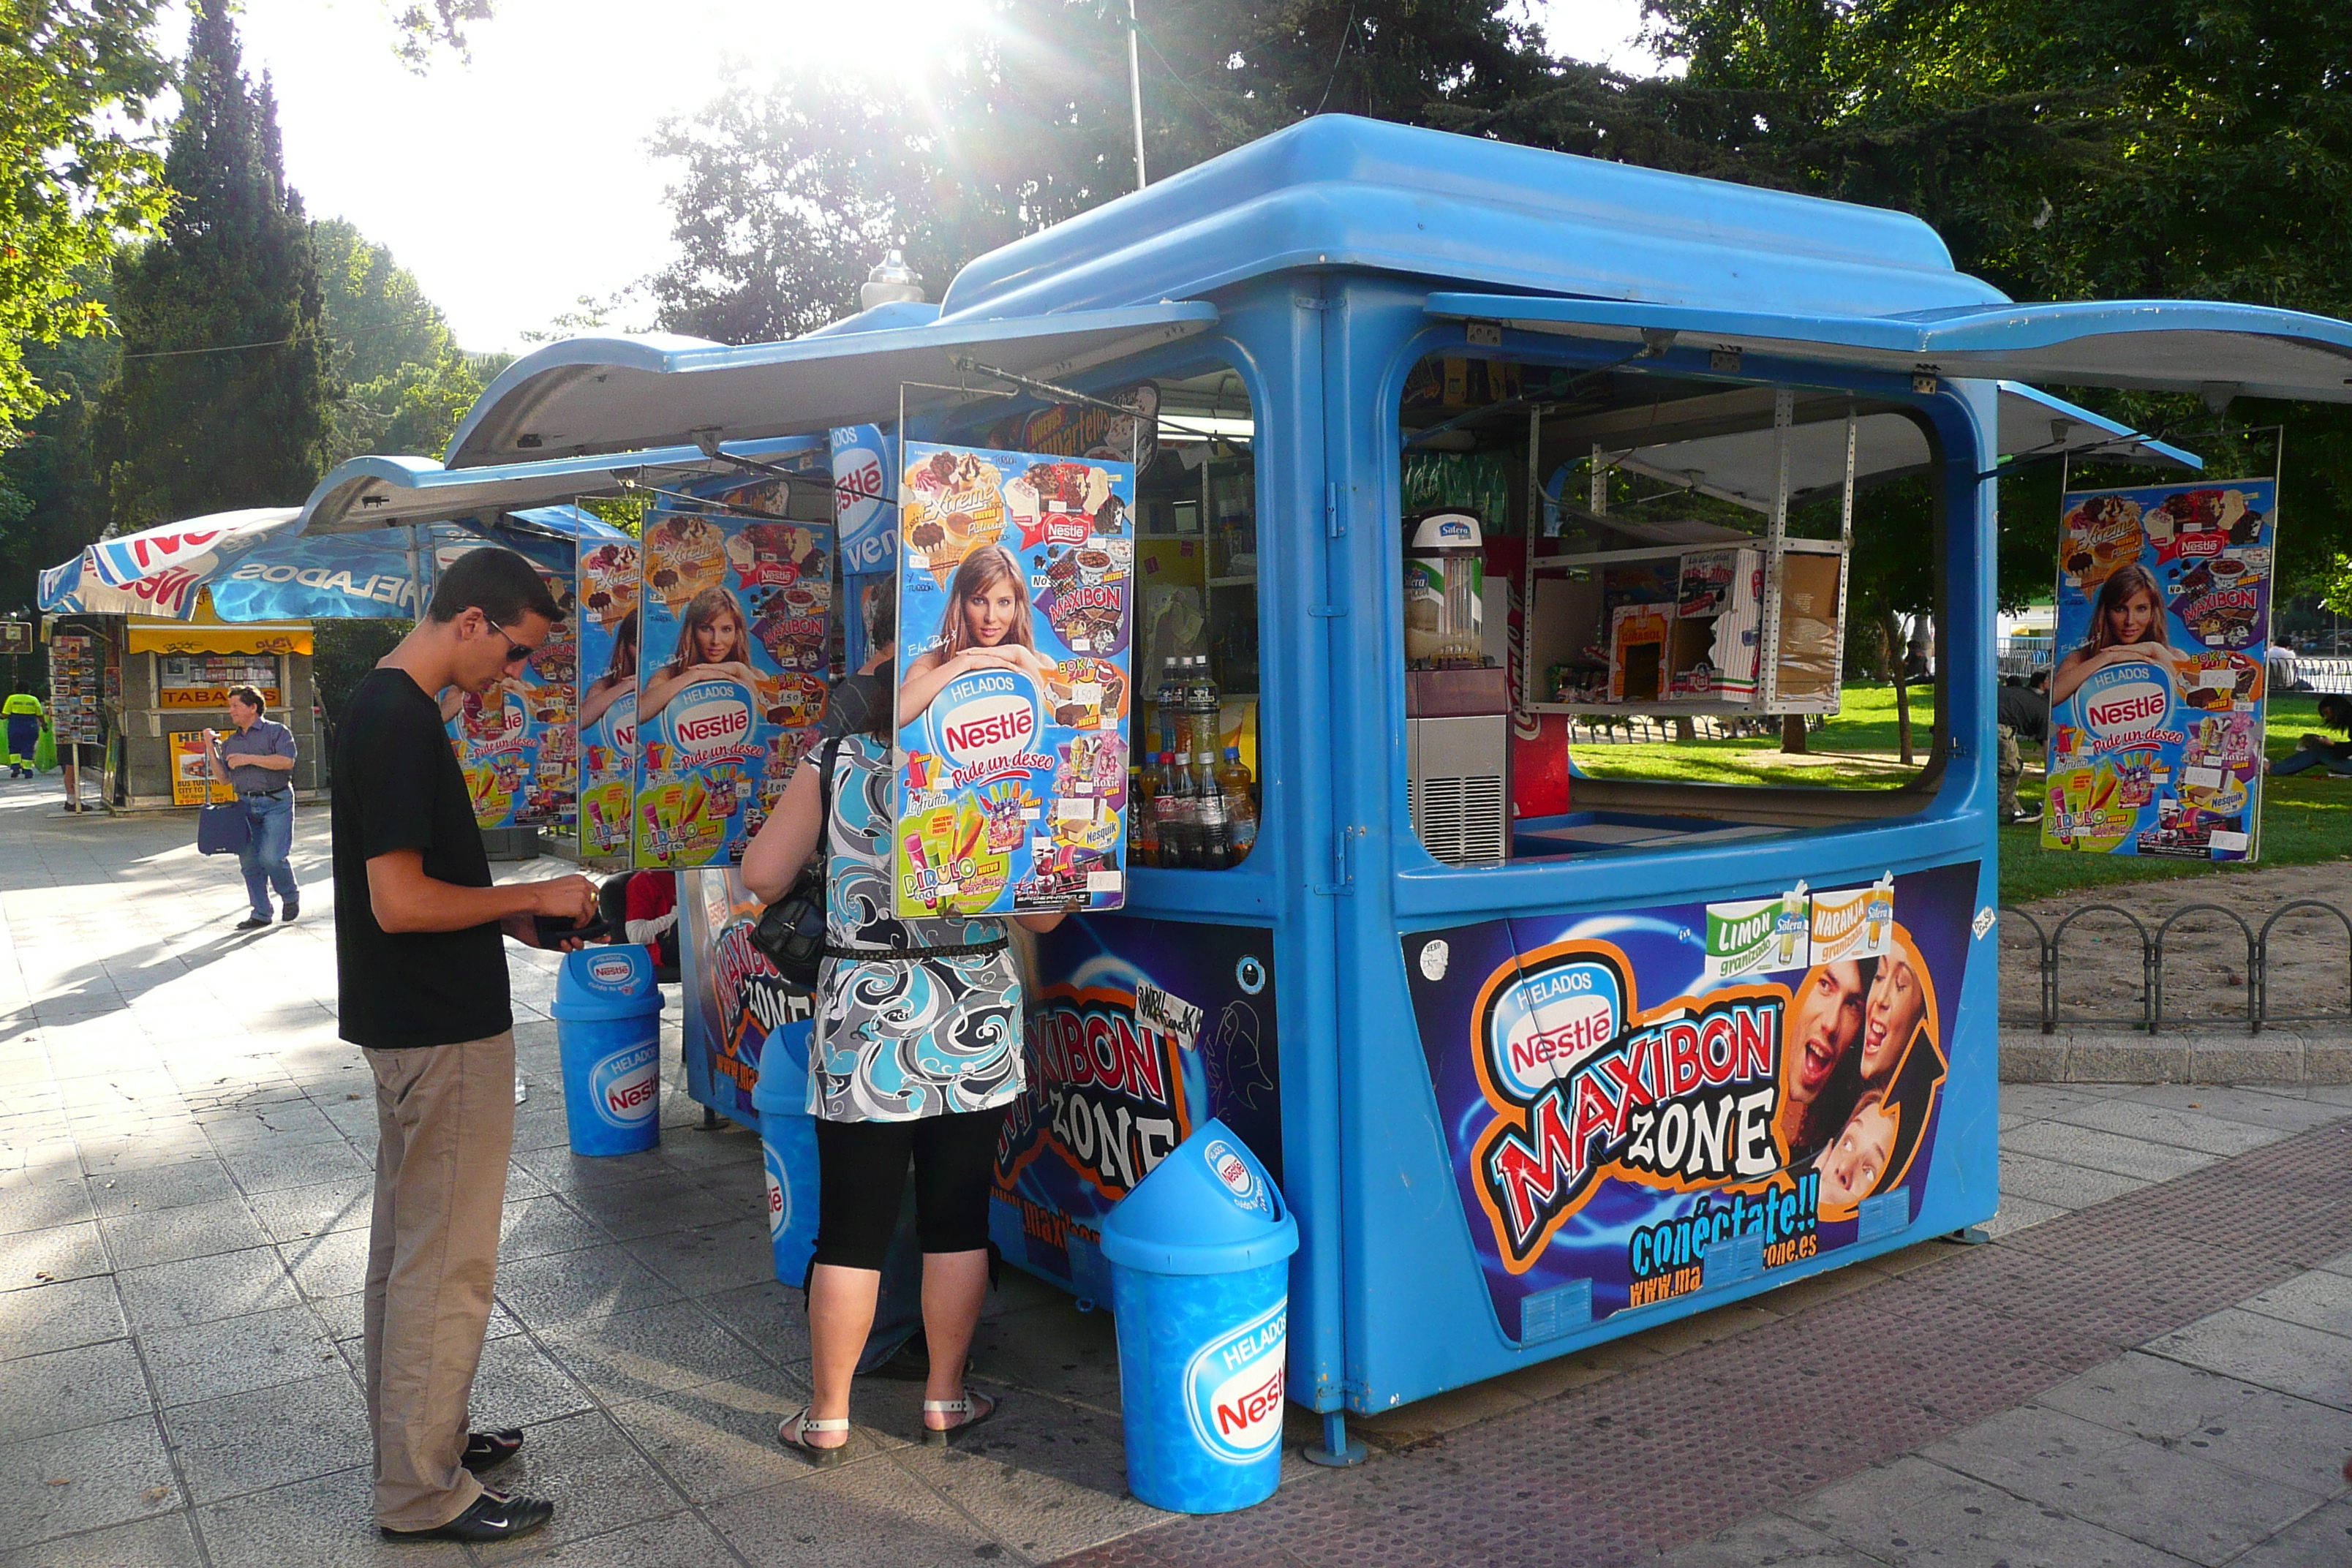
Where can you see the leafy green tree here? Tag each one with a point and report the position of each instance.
(76, 175)
(406, 381)
(50, 502)
(224, 397)
(789, 190)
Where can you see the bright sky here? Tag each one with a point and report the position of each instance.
(514, 186)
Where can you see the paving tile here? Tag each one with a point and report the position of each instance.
(329, 1522)
(633, 1355)
(716, 1259)
(2320, 1539)
(1914, 1512)
(60, 1316)
(1052, 1350)
(146, 1237)
(162, 1541)
(31, 1258)
(719, 1440)
(2017, 1212)
(2111, 1151)
(771, 1318)
(1046, 1478)
(65, 1389)
(235, 1355)
(2222, 1419)
(595, 1476)
(83, 1479)
(271, 1437)
(544, 1291)
(1767, 1541)
(301, 1165)
(2062, 1186)
(2161, 1125)
(2252, 1107)
(535, 1228)
(2284, 1356)
(331, 1265)
(44, 1205)
(2164, 1497)
(859, 1516)
(161, 1187)
(660, 1205)
(273, 1128)
(2318, 1300)
(680, 1541)
(201, 1289)
(289, 1214)
(518, 1384)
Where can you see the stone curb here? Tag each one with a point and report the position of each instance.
(2274, 1056)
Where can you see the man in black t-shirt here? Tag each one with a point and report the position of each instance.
(421, 977)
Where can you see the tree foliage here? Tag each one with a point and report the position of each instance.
(77, 174)
(406, 381)
(225, 395)
(790, 188)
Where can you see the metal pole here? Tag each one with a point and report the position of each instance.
(1135, 89)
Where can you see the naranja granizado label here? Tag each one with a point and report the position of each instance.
(1234, 1385)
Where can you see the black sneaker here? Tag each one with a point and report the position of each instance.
(291, 913)
(253, 923)
(488, 1450)
(492, 1518)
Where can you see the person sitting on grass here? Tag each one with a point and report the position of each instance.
(2318, 751)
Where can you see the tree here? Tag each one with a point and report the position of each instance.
(76, 175)
(789, 190)
(224, 397)
(406, 381)
(50, 502)
(438, 24)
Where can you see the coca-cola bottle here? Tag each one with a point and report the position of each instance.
(1212, 831)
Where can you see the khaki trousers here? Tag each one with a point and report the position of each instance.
(444, 1126)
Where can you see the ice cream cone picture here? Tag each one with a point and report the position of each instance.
(953, 503)
(684, 555)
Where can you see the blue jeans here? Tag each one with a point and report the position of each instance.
(264, 858)
(2306, 759)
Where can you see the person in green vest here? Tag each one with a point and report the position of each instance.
(22, 712)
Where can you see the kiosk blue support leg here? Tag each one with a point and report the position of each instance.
(1969, 1236)
(1336, 1452)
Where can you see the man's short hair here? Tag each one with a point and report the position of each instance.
(498, 583)
(251, 696)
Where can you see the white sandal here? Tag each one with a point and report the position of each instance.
(793, 1430)
(937, 1436)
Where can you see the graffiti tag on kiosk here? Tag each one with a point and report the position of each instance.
(1108, 1088)
(1682, 1099)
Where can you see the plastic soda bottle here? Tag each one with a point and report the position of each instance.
(1174, 803)
(1169, 701)
(1211, 834)
(1142, 819)
(1241, 809)
(1207, 704)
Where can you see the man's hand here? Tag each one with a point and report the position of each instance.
(570, 898)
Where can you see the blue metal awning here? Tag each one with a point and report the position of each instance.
(2150, 346)
(611, 395)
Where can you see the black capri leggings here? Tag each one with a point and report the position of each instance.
(862, 1172)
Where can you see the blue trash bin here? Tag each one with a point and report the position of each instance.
(788, 1145)
(608, 1027)
(1199, 1284)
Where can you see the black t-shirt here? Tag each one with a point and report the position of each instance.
(397, 786)
(2024, 709)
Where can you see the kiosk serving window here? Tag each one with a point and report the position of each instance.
(1623, 594)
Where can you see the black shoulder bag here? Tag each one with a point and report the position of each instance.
(792, 930)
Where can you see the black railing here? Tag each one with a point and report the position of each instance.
(2049, 950)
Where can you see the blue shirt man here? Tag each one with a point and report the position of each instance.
(256, 760)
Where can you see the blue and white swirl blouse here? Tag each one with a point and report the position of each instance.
(898, 1040)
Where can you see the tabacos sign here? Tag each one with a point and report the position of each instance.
(2126, 702)
(985, 724)
(625, 1086)
(709, 721)
(1234, 1385)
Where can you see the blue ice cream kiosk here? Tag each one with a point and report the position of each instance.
(1537, 1059)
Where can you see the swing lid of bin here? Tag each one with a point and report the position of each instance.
(2206, 346)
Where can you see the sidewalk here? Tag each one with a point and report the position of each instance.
(185, 1159)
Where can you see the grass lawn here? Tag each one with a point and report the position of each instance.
(2305, 819)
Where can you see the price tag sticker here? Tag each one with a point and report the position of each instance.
(2201, 778)
(1107, 881)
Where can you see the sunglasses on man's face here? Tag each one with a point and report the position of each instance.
(516, 652)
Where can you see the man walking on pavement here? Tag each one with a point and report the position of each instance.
(256, 760)
(421, 977)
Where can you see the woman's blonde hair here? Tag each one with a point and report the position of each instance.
(983, 568)
(701, 611)
(2127, 580)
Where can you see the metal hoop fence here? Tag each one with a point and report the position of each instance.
(2253, 944)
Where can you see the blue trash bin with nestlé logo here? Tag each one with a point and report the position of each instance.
(1200, 1284)
(608, 1027)
(788, 1148)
